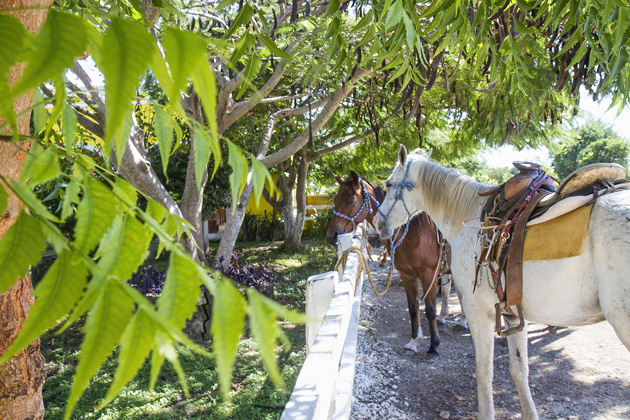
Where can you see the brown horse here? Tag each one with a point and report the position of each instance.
(416, 257)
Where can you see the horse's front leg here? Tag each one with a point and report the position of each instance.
(519, 368)
(411, 285)
(430, 308)
(482, 331)
(446, 290)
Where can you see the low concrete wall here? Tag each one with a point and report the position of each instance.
(324, 387)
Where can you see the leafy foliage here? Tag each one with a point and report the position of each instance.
(258, 275)
(593, 142)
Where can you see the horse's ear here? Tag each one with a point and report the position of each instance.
(354, 178)
(338, 178)
(402, 154)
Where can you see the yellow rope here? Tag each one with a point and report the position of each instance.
(343, 259)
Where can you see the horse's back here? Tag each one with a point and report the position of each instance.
(609, 233)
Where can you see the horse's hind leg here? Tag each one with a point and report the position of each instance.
(411, 285)
(519, 368)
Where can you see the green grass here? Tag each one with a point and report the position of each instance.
(253, 394)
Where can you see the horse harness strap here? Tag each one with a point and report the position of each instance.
(513, 204)
(507, 211)
(367, 198)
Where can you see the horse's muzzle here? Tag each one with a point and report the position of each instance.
(383, 230)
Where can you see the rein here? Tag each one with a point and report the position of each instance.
(343, 259)
(367, 197)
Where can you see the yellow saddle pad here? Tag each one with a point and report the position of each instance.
(561, 237)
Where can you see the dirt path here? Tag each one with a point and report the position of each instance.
(575, 373)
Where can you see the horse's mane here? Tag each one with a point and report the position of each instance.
(379, 192)
(447, 191)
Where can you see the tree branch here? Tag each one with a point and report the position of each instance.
(329, 109)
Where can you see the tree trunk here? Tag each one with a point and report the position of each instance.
(293, 234)
(232, 228)
(22, 377)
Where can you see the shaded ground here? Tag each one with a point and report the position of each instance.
(575, 373)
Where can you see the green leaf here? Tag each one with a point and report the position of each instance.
(21, 247)
(157, 360)
(135, 345)
(94, 214)
(165, 347)
(60, 104)
(181, 290)
(69, 127)
(368, 36)
(40, 166)
(333, 8)
(409, 30)
(214, 146)
(244, 16)
(225, 3)
(184, 51)
(70, 197)
(13, 36)
(4, 196)
(103, 328)
(272, 47)
(251, 70)
(340, 60)
(242, 46)
(238, 177)
(365, 20)
(206, 88)
(333, 28)
(126, 194)
(130, 49)
(55, 296)
(40, 114)
(264, 328)
(62, 38)
(164, 133)
(201, 149)
(32, 202)
(394, 14)
(123, 248)
(228, 322)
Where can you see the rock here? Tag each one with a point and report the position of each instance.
(550, 398)
(445, 415)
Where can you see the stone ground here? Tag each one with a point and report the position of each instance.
(575, 373)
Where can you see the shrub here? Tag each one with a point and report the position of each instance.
(258, 275)
(149, 280)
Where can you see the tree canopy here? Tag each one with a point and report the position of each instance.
(591, 142)
(486, 72)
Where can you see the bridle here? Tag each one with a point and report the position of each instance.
(367, 197)
(404, 184)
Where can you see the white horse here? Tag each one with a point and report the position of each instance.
(572, 291)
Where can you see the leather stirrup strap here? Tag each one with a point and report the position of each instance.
(514, 269)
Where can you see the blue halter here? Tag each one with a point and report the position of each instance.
(366, 202)
(404, 184)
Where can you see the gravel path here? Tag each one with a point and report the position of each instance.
(575, 373)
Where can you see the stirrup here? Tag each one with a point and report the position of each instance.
(501, 307)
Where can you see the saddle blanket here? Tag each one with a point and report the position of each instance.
(560, 237)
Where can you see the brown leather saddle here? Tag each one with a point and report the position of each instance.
(506, 212)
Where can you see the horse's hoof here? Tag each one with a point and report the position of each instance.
(431, 355)
(412, 345)
(462, 324)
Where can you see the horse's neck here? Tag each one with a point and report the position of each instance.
(449, 207)
(377, 194)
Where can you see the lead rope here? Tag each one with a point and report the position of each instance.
(438, 267)
(363, 265)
